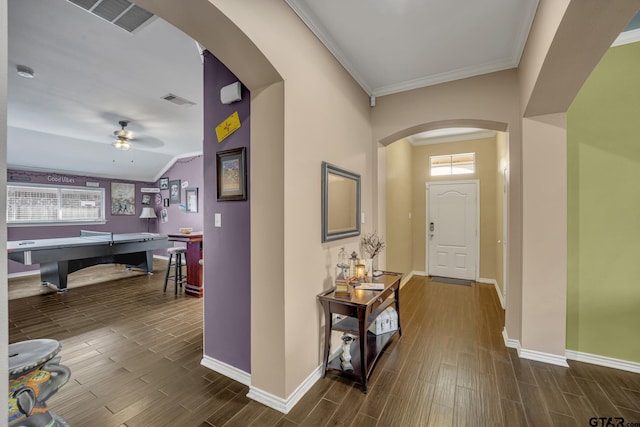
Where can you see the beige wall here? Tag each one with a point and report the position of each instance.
(544, 268)
(490, 101)
(399, 207)
(485, 150)
(326, 118)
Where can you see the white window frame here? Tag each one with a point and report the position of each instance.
(59, 221)
(451, 158)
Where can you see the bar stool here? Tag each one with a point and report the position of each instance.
(178, 277)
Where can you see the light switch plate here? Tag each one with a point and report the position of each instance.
(217, 221)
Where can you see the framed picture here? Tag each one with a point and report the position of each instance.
(164, 183)
(191, 198)
(123, 198)
(174, 192)
(146, 199)
(231, 174)
(166, 203)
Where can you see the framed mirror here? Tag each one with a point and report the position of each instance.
(340, 203)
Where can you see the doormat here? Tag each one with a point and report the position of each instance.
(462, 282)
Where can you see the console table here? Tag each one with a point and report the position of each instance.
(361, 310)
(194, 255)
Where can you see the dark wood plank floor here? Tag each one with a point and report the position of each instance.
(135, 353)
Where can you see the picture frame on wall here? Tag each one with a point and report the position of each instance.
(123, 198)
(146, 199)
(166, 203)
(231, 174)
(164, 183)
(174, 192)
(191, 199)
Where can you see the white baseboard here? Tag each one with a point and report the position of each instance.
(23, 274)
(539, 356)
(495, 284)
(226, 370)
(509, 343)
(166, 258)
(608, 362)
(285, 405)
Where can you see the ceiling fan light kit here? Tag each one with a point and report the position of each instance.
(122, 144)
(123, 137)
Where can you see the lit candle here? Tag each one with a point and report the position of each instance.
(360, 271)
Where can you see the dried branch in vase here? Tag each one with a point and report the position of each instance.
(372, 244)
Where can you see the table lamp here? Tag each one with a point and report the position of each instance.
(148, 213)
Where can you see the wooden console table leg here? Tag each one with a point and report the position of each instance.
(362, 332)
(397, 296)
(328, 323)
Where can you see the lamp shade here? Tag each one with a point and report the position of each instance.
(148, 213)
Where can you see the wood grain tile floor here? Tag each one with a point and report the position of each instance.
(135, 353)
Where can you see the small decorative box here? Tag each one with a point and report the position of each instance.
(387, 321)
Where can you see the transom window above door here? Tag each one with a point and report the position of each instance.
(452, 164)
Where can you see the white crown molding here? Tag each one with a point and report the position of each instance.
(496, 287)
(523, 36)
(461, 73)
(307, 17)
(226, 370)
(627, 37)
(608, 362)
(452, 138)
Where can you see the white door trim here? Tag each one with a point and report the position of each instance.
(476, 182)
(505, 234)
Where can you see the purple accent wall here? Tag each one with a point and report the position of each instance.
(189, 170)
(115, 223)
(227, 255)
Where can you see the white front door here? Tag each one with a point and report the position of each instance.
(452, 229)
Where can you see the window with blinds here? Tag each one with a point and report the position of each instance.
(452, 164)
(31, 204)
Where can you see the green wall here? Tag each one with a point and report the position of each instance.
(603, 151)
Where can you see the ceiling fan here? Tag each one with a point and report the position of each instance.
(123, 137)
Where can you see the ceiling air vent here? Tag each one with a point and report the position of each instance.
(178, 100)
(122, 13)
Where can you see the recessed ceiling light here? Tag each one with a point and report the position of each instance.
(24, 71)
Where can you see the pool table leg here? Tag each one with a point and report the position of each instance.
(55, 273)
